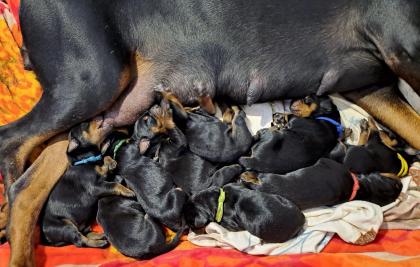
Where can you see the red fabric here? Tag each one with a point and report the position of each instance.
(14, 8)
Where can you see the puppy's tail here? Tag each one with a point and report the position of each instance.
(172, 244)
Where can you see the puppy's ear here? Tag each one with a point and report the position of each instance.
(73, 144)
(325, 104)
(207, 104)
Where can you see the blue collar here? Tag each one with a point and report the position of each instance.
(338, 126)
(88, 160)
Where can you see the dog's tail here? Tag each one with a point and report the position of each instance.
(171, 245)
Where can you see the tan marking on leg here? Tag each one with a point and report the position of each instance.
(41, 177)
(121, 190)
(228, 115)
(206, 103)
(109, 165)
(364, 132)
(35, 153)
(250, 177)
(385, 105)
(23, 153)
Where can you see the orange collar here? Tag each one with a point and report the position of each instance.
(356, 186)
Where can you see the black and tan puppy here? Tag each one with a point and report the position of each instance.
(72, 204)
(267, 216)
(311, 135)
(210, 138)
(153, 185)
(326, 183)
(376, 154)
(131, 231)
(189, 171)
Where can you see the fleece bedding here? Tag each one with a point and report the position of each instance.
(19, 92)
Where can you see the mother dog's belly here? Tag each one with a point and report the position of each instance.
(243, 81)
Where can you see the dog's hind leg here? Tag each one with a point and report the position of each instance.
(386, 106)
(240, 131)
(225, 175)
(68, 233)
(113, 189)
(81, 76)
(29, 197)
(364, 132)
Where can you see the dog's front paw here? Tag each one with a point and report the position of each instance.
(123, 191)
(364, 125)
(250, 177)
(94, 243)
(110, 163)
(96, 236)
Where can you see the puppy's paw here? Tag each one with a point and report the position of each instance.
(110, 163)
(364, 125)
(96, 236)
(250, 177)
(123, 191)
(228, 116)
(347, 133)
(92, 243)
(236, 109)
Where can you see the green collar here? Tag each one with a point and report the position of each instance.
(119, 145)
(219, 212)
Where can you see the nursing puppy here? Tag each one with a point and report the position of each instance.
(326, 183)
(311, 135)
(189, 171)
(72, 204)
(152, 184)
(210, 138)
(267, 216)
(131, 231)
(376, 154)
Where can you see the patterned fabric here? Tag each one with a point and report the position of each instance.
(19, 91)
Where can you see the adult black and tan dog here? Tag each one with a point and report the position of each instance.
(247, 51)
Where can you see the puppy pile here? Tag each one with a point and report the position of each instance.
(183, 168)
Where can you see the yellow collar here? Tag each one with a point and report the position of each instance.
(219, 212)
(404, 166)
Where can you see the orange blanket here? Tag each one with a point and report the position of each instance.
(19, 91)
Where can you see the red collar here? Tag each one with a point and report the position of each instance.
(356, 186)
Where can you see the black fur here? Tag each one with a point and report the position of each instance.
(298, 146)
(269, 217)
(214, 140)
(152, 184)
(375, 156)
(72, 204)
(131, 231)
(326, 183)
(189, 171)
